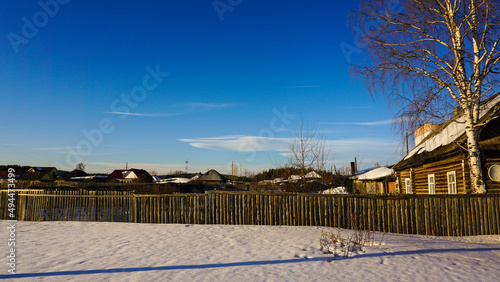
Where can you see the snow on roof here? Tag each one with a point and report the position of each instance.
(374, 174)
(295, 177)
(312, 174)
(337, 190)
(450, 133)
(178, 180)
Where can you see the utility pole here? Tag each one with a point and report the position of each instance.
(407, 149)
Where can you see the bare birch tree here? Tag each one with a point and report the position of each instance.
(308, 148)
(430, 56)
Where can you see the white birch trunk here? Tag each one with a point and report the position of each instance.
(476, 173)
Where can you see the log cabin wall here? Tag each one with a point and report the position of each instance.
(440, 171)
(420, 181)
(459, 164)
(370, 187)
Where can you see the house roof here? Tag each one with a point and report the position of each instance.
(446, 139)
(118, 173)
(312, 174)
(294, 177)
(122, 173)
(374, 174)
(212, 175)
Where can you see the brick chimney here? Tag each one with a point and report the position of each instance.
(422, 132)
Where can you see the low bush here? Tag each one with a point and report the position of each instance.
(345, 243)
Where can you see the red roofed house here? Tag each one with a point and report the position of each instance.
(131, 175)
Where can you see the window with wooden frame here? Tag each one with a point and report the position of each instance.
(452, 182)
(408, 185)
(431, 182)
(397, 185)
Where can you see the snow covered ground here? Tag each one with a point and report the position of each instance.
(91, 251)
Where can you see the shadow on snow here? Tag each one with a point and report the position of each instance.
(156, 268)
(232, 264)
(421, 252)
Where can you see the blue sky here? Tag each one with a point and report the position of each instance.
(156, 83)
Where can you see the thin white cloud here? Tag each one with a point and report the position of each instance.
(239, 143)
(6, 144)
(305, 86)
(159, 168)
(357, 144)
(369, 123)
(343, 150)
(188, 108)
(110, 166)
(244, 143)
(145, 114)
(359, 107)
(208, 106)
(56, 148)
(74, 151)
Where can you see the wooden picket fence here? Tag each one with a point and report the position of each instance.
(439, 215)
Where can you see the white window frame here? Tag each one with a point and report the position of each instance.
(431, 183)
(408, 185)
(452, 185)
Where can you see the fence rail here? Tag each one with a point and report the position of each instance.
(439, 215)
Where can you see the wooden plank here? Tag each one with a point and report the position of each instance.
(461, 215)
(312, 211)
(427, 216)
(486, 221)
(454, 216)
(496, 208)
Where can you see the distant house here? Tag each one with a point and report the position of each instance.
(279, 180)
(439, 162)
(4, 176)
(73, 174)
(212, 177)
(45, 174)
(131, 175)
(294, 178)
(80, 179)
(380, 180)
(176, 180)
